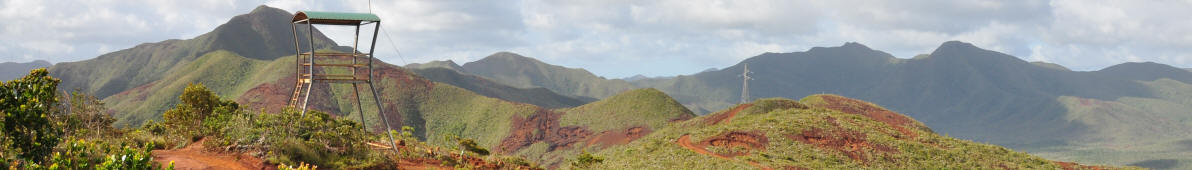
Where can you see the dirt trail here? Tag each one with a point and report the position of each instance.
(726, 117)
(193, 157)
(685, 142)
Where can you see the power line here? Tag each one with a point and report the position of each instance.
(391, 44)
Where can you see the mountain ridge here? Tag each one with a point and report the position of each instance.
(146, 62)
(525, 72)
(15, 70)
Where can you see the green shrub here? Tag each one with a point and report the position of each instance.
(79, 154)
(289, 137)
(585, 160)
(516, 160)
(132, 158)
(26, 131)
(82, 154)
(198, 105)
(470, 145)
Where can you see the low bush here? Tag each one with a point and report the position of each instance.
(585, 160)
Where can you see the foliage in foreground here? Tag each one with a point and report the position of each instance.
(34, 126)
(26, 131)
(288, 137)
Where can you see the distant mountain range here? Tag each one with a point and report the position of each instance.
(14, 70)
(963, 91)
(520, 71)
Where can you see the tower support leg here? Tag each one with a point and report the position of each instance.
(384, 118)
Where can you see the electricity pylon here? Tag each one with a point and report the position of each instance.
(745, 84)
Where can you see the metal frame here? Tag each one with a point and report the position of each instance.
(306, 76)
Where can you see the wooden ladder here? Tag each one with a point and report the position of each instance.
(303, 84)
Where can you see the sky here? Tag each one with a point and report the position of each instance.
(622, 38)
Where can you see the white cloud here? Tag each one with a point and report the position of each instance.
(619, 38)
(63, 30)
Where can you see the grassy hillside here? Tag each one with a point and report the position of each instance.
(520, 71)
(642, 107)
(450, 110)
(227, 73)
(782, 133)
(1146, 132)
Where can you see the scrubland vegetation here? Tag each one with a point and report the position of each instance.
(45, 129)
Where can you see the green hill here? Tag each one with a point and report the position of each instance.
(647, 108)
(520, 71)
(818, 132)
(447, 64)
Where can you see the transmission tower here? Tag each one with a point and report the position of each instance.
(745, 84)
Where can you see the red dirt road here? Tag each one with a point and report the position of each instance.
(727, 116)
(193, 157)
(685, 142)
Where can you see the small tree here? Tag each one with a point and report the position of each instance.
(25, 107)
(84, 115)
(586, 160)
(198, 104)
(470, 145)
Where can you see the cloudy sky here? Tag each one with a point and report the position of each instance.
(620, 38)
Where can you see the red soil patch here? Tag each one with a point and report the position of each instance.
(725, 116)
(732, 139)
(269, 96)
(852, 143)
(619, 136)
(546, 124)
(854, 106)
(273, 96)
(1074, 166)
(142, 91)
(748, 141)
(194, 157)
